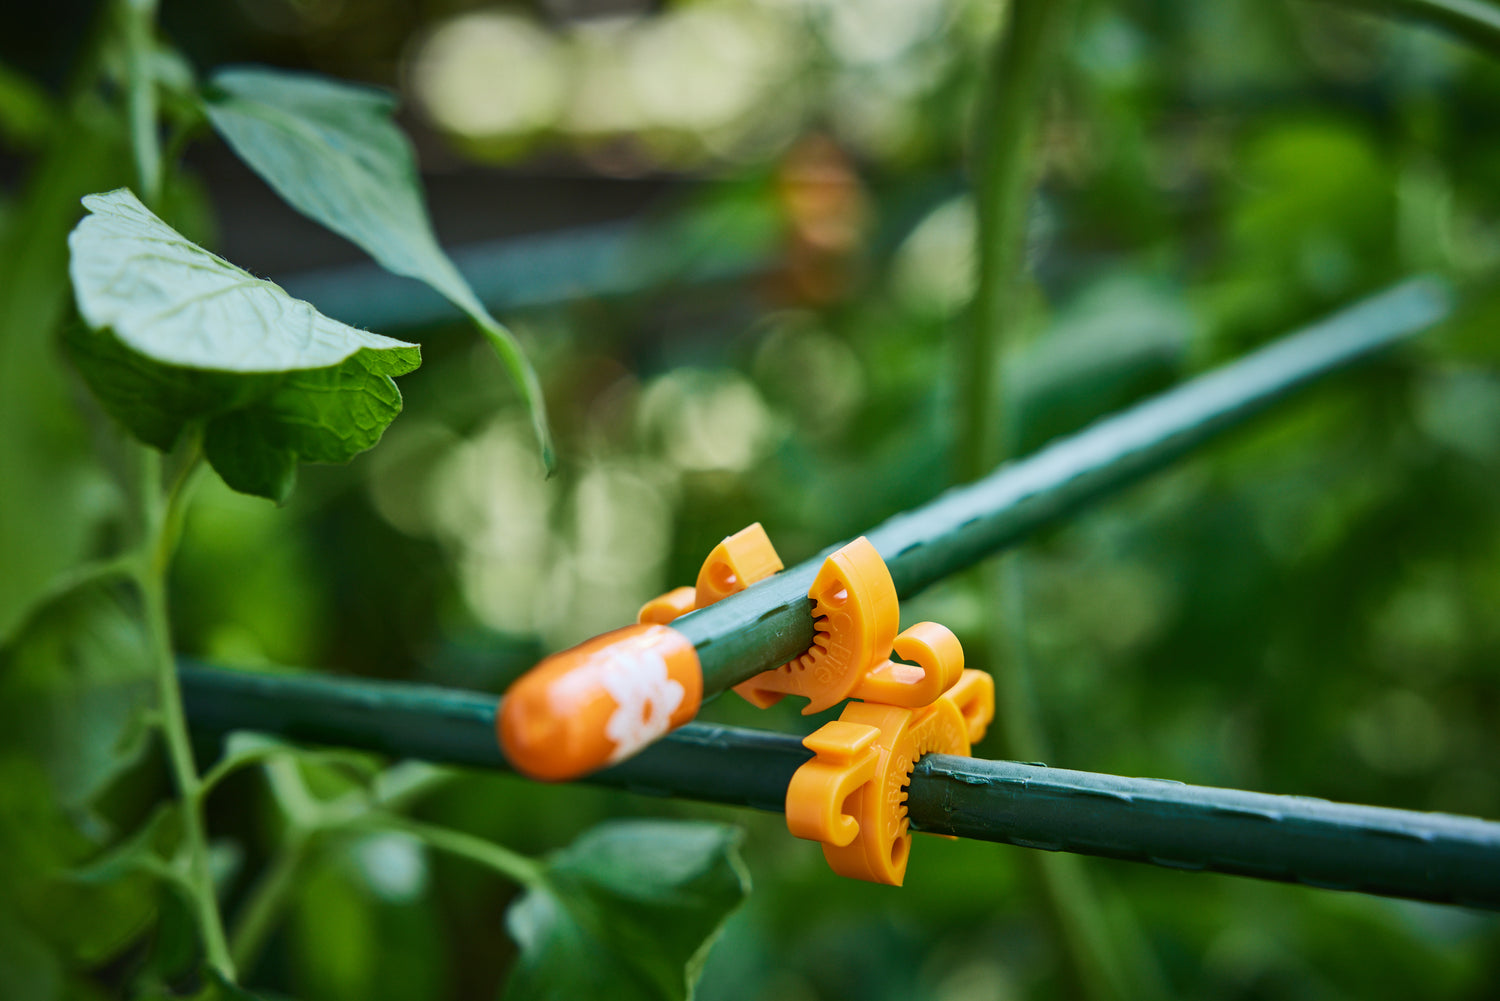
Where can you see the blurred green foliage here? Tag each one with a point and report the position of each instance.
(1308, 607)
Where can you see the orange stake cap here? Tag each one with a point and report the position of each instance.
(600, 702)
(852, 795)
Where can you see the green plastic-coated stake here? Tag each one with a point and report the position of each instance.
(1395, 853)
(770, 623)
(526, 273)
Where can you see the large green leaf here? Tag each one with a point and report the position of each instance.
(331, 150)
(628, 911)
(56, 497)
(74, 684)
(177, 335)
(28, 968)
(1117, 341)
(26, 112)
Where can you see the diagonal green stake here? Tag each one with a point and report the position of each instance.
(333, 152)
(770, 623)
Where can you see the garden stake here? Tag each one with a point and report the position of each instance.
(1367, 849)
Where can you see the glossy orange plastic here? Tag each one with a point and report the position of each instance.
(856, 614)
(742, 559)
(667, 608)
(600, 702)
(939, 663)
(852, 795)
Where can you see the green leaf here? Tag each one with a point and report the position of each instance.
(28, 967)
(628, 911)
(332, 151)
(75, 684)
(76, 688)
(244, 748)
(212, 987)
(177, 335)
(56, 498)
(26, 111)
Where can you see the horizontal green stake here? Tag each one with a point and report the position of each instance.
(532, 272)
(1395, 853)
(770, 623)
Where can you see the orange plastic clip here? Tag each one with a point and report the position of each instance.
(856, 614)
(852, 795)
(740, 560)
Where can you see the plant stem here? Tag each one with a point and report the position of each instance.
(1011, 109)
(1474, 21)
(268, 899)
(1018, 723)
(524, 870)
(509, 351)
(1005, 167)
(162, 515)
(139, 26)
(308, 819)
(169, 531)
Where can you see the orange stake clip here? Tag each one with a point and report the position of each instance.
(856, 614)
(852, 795)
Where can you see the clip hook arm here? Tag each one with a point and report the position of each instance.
(847, 760)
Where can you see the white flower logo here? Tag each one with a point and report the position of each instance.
(638, 682)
